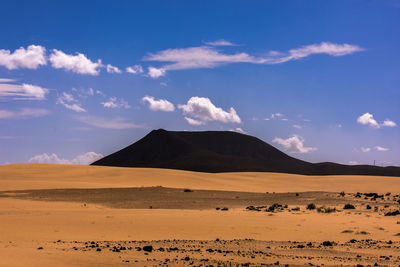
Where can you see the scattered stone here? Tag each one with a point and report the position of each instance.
(327, 243)
(393, 213)
(148, 248)
(349, 207)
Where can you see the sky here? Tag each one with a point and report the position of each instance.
(318, 80)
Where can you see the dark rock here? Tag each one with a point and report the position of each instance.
(327, 243)
(148, 248)
(393, 213)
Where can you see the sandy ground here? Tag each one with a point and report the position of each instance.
(50, 176)
(105, 216)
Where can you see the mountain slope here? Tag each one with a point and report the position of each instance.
(223, 151)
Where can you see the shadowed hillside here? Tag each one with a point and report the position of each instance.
(223, 151)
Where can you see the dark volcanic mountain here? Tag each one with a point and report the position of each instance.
(216, 151)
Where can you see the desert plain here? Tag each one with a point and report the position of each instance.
(67, 215)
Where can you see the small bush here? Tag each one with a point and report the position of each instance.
(349, 207)
(187, 190)
(311, 206)
(342, 194)
(369, 207)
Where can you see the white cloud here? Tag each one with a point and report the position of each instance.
(365, 149)
(389, 123)
(323, 48)
(293, 144)
(353, 162)
(82, 159)
(30, 58)
(100, 93)
(267, 119)
(23, 113)
(194, 122)
(276, 115)
(155, 73)
(297, 126)
(69, 102)
(220, 42)
(22, 91)
(112, 69)
(78, 63)
(114, 102)
(90, 92)
(238, 130)
(202, 109)
(383, 149)
(368, 119)
(116, 123)
(209, 57)
(159, 105)
(135, 69)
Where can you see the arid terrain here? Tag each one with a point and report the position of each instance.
(65, 215)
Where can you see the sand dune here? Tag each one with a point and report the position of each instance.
(49, 176)
(111, 208)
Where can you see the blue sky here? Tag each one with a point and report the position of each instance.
(317, 79)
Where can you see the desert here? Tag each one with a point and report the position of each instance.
(199, 133)
(92, 215)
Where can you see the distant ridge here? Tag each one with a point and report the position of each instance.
(224, 151)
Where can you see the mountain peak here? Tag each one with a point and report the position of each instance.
(223, 151)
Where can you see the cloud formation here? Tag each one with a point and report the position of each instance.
(21, 58)
(155, 73)
(209, 56)
(114, 102)
(220, 42)
(69, 102)
(293, 144)
(23, 113)
(202, 110)
(112, 69)
(368, 119)
(116, 123)
(159, 105)
(389, 123)
(82, 159)
(21, 91)
(238, 130)
(194, 122)
(365, 149)
(382, 149)
(78, 63)
(135, 69)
